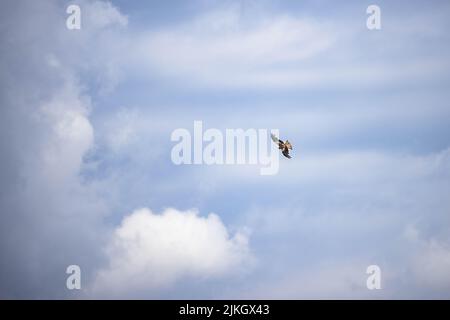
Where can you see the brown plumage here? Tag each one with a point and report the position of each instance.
(283, 146)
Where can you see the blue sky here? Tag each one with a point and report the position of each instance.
(87, 178)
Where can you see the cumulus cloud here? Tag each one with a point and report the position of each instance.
(151, 251)
(47, 211)
(70, 134)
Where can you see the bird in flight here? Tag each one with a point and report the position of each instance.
(283, 146)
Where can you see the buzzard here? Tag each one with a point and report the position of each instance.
(283, 146)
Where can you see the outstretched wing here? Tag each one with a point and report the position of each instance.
(286, 153)
(275, 139)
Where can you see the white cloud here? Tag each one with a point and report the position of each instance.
(48, 212)
(152, 251)
(431, 265)
(71, 134)
(102, 14)
(430, 261)
(226, 48)
(326, 280)
(121, 129)
(223, 48)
